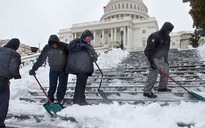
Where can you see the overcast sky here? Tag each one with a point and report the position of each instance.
(32, 21)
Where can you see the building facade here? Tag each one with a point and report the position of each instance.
(124, 23)
(180, 40)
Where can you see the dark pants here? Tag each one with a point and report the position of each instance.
(60, 78)
(4, 100)
(79, 95)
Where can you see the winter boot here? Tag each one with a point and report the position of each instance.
(150, 95)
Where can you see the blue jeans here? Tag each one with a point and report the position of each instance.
(4, 100)
(60, 78)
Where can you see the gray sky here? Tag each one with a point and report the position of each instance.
(32, 21)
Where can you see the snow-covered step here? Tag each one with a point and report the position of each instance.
(40, 120)
(162, 97)
(173, 67)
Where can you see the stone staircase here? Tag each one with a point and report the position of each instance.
(125, 83)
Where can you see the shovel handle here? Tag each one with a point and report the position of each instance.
(172, 80)
(42, 89)
(101, 74)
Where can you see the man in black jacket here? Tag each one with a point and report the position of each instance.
(10, 61)
(157, 49)
(80, 63)
(56, 52)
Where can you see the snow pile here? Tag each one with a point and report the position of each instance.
(112, 58)
(136, 116)
(201, 51)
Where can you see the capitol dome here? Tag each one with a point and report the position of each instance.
(118, 9)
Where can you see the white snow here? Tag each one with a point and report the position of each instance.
(102, 116)
(112, 58)
(201, 51)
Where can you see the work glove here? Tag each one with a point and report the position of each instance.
(32, 72)
(17, 76)
(153, 66)
(92, 52)
(94, 57)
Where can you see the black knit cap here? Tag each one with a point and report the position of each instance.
(13, 43)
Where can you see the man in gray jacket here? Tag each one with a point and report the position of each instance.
(10, 61)
(57, 53)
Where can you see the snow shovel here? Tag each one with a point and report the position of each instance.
(197, 96)
(102, 94)
(51, 108)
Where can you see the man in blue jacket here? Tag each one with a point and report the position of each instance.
(157, 49)
(57, 53)
(10, 61)
(80, 63)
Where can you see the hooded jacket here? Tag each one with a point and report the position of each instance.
(158, 43)
(10, 60)
(79, 59)
(57, 58)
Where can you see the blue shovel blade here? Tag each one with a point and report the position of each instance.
(53, 108)
(105, 99)
(197, 96)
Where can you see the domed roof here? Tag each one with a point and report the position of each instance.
(116, 9)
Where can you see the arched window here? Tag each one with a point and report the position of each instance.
(118, 6)
(127, 6)
(130, 6)
(123, 6)
(115, 7)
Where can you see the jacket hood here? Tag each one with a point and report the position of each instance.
(13, 43)
(167, 26)
(53, 38)
(87, 33)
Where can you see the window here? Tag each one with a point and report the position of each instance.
(134, 6)
(131, 6)
(118, 6)
(127, 6)
(143, 31)
(123, 6)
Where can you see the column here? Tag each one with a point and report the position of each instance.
(94, 40)
(103, 37)
(75, 35)
(115, 34)
(129, 45)
(111, 38)
(124, 36)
